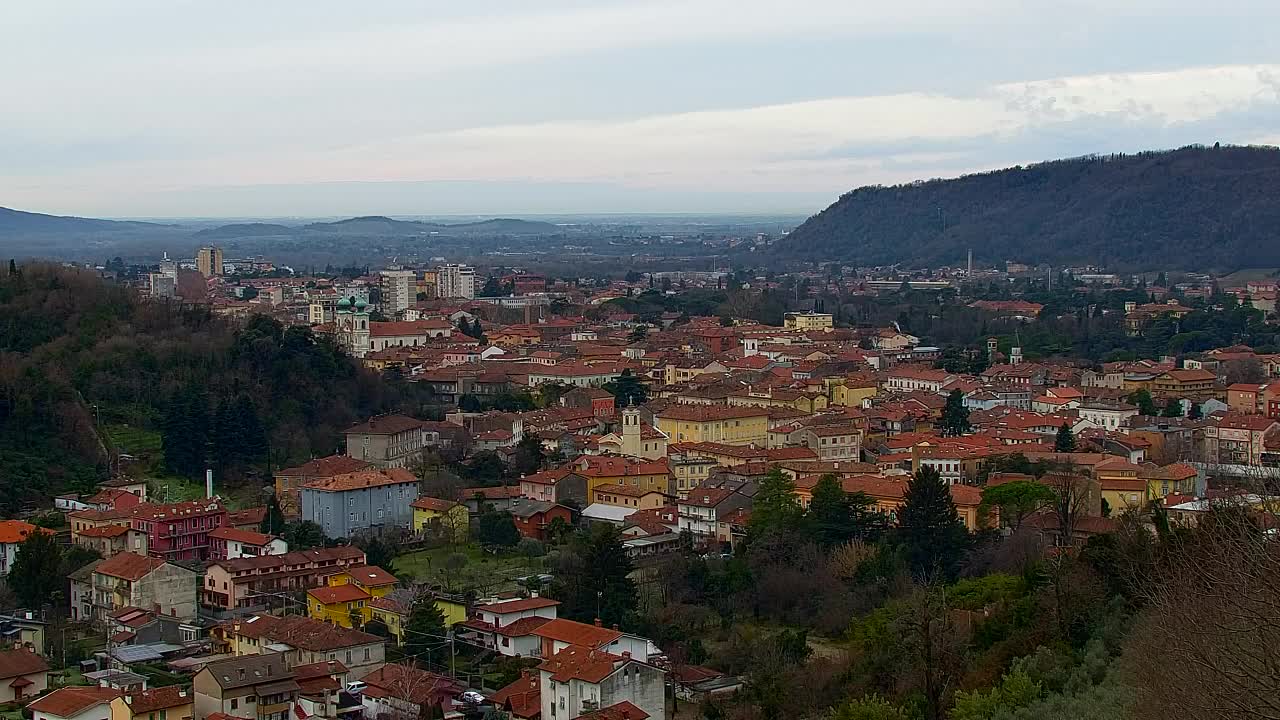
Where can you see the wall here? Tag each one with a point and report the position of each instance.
(173, 588)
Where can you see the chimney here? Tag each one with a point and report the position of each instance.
(598, 623)
(208, 483)
(182, 693)
(615, 626)
(128, 699)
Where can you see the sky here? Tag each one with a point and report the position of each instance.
(246, 108)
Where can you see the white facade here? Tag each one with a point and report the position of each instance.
(237, 549)
(1107, 418)
(637, 683)
(398, 290)
(456, 281)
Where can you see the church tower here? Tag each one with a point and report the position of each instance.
(351, 323)
(631, 431)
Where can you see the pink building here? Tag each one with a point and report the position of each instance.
(179, 531)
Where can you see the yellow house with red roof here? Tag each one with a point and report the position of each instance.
(346, 597)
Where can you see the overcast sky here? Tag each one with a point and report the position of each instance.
(329, 107)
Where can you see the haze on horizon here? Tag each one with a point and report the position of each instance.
(169, 109)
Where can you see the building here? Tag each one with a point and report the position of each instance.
(808, 321)
(1107, 417)
(399, 290)
(344, 600)
(209, 260)
(584, 682)
(12, 534)
(400, 691)
(351, 325)
(831, 442)
(23, 674)
(130, 580)
(288, 481)
(173, 702)
(700, 512)
(258, 687)
(228, 543)
(300, 640)
(386, 441)
(369, 500)
(179, 531)
(557, 485)
(441, 518)
(508, 627)
(613, 470)
(75, 703)
(456, 281)
(393, 610)
(736, 425)
(636, 439)
(1240, 439)
(258, 581)
(533, 517)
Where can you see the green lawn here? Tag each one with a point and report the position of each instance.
(144, 444)
(482, 570)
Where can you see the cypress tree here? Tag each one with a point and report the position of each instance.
(929, 528)
(1066, 441)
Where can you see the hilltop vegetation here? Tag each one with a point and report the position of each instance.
(72, 346)
(1194, 209)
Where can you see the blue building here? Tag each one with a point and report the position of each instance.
(366, 500)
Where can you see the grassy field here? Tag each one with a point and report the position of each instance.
(474, 568)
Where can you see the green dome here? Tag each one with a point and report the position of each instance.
(344, 303)
(361, 304)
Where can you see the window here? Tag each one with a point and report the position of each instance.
(366, 650)
(235, 704)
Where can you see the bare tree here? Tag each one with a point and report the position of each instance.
(935, 646)
(1206, 646)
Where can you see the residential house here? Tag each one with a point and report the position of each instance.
(630, 497)
(831, 442)
(300, 641)
(130, 580)
(558, 485)
(580, 682)
(257, 687)
(1171, 479)
(75, 703)
(12, 534)
(1249, 398)
(172, 702)
(288, 481)
(561, 633)
(1239, 439)
(731, 425)
(178, 531)
(499, 498)
(521, 699)
(701, 511)
(254, 581)
(888, 494)
(136, 626)
(612, 470)
(1105, 416)
(320, 691)
(23, 674)
(441, 518)
(507, 627)
(1194, 385)
(345, 505)
(402, 691)
(386, 441)
(533, 517)
(393, 610)
(23, 630)
(342, 605)
(227, 543)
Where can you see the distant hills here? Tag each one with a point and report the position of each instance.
(379, 225)
(238, 230)
(18, 221)
(1195, 208)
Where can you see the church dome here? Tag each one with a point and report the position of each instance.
(344, 303)
(361, 304)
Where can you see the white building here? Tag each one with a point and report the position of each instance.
(399, 290)
(456, 281)
(579, 680)
(1107, 417)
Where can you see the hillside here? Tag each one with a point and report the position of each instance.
(103, 362)
(379, 225)
(238, 230)
(18, 221)
(1194, 208)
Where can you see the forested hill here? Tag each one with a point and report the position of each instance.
(239, 399)
(1194, 208)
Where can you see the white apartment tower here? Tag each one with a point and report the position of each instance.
(399, 289)
(457, 281)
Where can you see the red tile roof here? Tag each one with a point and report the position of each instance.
(128, 566)
(708, 413)
(578, 662)
(576, 633)
(325, 467)
(241, 536)
(14, 663)
(618, 711)
(70, 701)
(385, 425)
(522, 698)
(338, 594)
(363, 479)
(301, 632)
(371, 576)
(430, 503)
(159, 698)
(521, 605)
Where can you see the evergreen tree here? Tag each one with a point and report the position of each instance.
(775, 506)
(477, 330)
(595, 584)
(955, 416)
(1173, 408)
(424, 631)
(1195, 413)
(185, 434)
(627, 390)
(1066, 440)
(273, 521)
(1146, 404)
(497, 529)
(836, 517)
(528, 456)
(464, 326)
(36, 576)
(929, 529)
(225, 439)
(252, 435)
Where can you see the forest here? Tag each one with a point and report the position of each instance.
(82, 360)
(1195, 208)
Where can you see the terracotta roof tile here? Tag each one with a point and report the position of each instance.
(71, 701)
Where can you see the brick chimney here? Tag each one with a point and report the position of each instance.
(598, 623)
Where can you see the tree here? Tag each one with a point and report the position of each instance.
(1016, 500)
(1173, 408)
(497, 529)
(529, 455)
(304, 534)
(36, 573)
(594, 581)
(627, 390)
(1146, 404)
(378, 551)
(424, 630)
(932, 647)
(273, 520)
(955, 416)
(1195, 413)
(638, 333)
(1065, 442)
(929, 528)
(775, 507)
(185, 432)
(464, 326)
(869, 707)
(836, 517)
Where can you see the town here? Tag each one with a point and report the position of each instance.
(652, 496)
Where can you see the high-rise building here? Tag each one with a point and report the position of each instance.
(456, 281)
(399, 289)
(209, 261)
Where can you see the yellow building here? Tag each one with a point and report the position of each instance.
(174, 702)
(850, 392)
(393, 610)
(444, 518)
(732, 425)
(347, 595)
(808, 321)
(647, 475)
(1172, 479)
